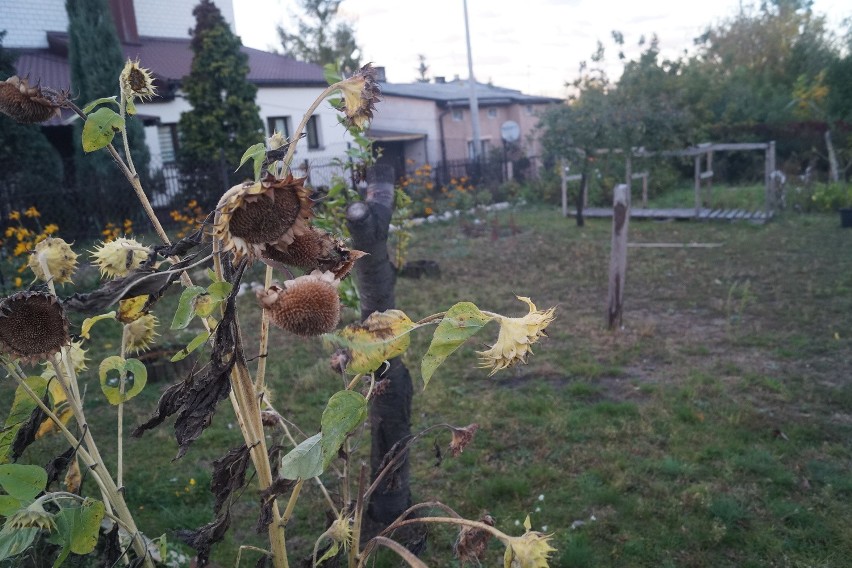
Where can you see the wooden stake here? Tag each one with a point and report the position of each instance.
(618, 255)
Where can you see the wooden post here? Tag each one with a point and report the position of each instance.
(710, 179)
(697, 185)
(618, 255)
(769, 168)
(564, 188)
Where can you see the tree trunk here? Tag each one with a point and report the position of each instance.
(390, 413)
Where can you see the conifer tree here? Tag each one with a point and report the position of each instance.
(96, 60)
(224, 120)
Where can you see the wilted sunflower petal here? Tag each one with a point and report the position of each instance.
(516, 338)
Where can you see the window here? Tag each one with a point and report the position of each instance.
(313, 133)
(492, 112)
(458, 115)
(278, 124)
(167, 137)
(530, 110)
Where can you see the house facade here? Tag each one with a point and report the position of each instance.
(418, 123)
(157, 33)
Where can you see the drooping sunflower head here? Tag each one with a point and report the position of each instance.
(136, 82)
(360, 94)
(60, 259)
(313, 249)
(306, 306)
(24, 103)
(271, 212)
(77, 357)
(514, 342)
(141, 333)
(33, 326)
(119, 257)
(530, 550)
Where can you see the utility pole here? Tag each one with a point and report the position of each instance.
(474, 103)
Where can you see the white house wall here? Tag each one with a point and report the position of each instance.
(173, 18)
(400, 114)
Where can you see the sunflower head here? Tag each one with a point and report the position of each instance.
(59, 258)
(136, 82)
(306, 306)
(461, 438)
(119, 257)
(141, 333)
(360, 94)
(516, 338)
(77, 356)
(530, 550)
(271, 212)
(314, 249)
(33, 516)
(33, 326)
(24, 103)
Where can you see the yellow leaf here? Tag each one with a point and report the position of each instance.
(382, 336)
(89, 322)
(131, 309)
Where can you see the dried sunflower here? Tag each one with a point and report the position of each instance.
(266, 213)
(141, 333)
(530, 550)
(33, 326)
(360, 94)
(26, 104)
(136, 82)
(314, 249)
(61, 260)
(306, 306)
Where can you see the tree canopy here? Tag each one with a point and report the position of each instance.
(321, 37)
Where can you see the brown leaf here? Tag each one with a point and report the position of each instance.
(203, 538)
(229, 475)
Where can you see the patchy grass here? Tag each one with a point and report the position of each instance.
(719, 196)
(712, 430)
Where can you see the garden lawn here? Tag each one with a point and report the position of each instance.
(714, 429)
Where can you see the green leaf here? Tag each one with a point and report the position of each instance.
(89, 107)
(461, 322)
(77, 528)
(186, 309)
(211, 274)
(220, 290)
(197, 342)
(134, 373)
(382, 336)
(100, 129)
(330, 553)
(304, 461)
(15, 541)
(22, 407)
(9, 505)
(331, 74)
(256, 153)
(22, 482)
(345, 411)
(130, 107)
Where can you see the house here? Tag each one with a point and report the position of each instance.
(157, 33)
(418, 123)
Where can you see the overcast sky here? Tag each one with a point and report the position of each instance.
(531, 45)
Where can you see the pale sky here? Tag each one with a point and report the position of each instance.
(534, 46)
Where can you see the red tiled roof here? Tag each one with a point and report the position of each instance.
(169, 59)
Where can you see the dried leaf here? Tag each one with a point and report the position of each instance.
(57, 465)
(203, 538)
(132, 309)
(22, 408)
(229, 475)
(380, 337)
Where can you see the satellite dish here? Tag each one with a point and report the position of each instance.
(510, 131)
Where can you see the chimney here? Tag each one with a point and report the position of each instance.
(440, 80)
(124, 16)
(381, 77)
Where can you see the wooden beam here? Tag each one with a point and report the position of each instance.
(618, 256)
(697, 183)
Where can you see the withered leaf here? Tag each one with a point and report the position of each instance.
(229, 475)
(59, 464)
(267, 498)
(203, 538)
(112, 547)
(393, 461)
(27, 432)
(170, 402)
(473, 542)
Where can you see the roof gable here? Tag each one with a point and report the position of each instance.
(457, 93)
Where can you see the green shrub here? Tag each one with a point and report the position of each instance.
(832, 196)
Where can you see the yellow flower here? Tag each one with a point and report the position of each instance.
(18, 282)
(51, 228)
(32, 212)
(15, 216)
(516, 338)
(531, 550)
(136, 82)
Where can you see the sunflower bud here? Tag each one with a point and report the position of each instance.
(256, 214)
(141, 333)
(306, 306)
(26, 104)
(60, 259)
(530, 550)
(33, 326)
(33, 517)
(77, 357)
(360, 94)
(515, 338)
(119, 257)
